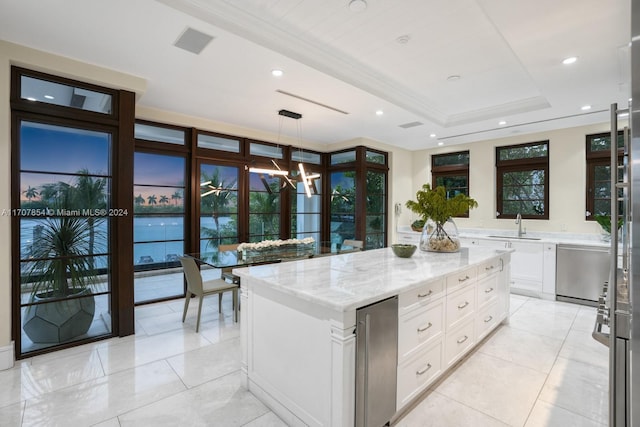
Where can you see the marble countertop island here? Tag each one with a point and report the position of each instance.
(346, 282)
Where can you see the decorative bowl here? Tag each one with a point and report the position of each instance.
(403, 250)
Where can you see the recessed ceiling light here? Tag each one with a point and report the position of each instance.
(433, 135)
(502, 123)
(379, 113)
(569, 60)
(440, 143)
(277, 73)
(30, 98)
(357, 5)
(49, 97)
(585, 107)
(453, 78)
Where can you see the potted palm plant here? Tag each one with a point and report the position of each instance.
(439, 232)
(61, 272)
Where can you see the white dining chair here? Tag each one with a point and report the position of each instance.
(199, 288)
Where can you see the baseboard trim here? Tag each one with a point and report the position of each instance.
(6, 356)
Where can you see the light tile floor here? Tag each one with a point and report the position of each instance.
(542, 369)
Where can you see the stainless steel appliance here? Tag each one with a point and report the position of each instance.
(376, 363)
(580, 272)
(613, 320)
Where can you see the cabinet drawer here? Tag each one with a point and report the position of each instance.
(461, 279)
(460, 305)
(419, 328)
(418, 372)
(421, 296)
(490, 267)
(487, 319)
(459, 341)
(407, 237)
(487, 290)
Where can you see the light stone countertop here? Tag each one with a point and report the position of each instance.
(348, 281)
(585, 239)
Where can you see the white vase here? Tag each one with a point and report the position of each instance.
(439, 237)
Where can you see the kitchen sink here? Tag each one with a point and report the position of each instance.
(515, 237)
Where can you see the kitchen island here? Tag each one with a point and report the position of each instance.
(298, 324)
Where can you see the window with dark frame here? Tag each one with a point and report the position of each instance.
(451, 171)
(598, 162)
(522, 180)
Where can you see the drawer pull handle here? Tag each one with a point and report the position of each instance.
(425, 328)
(463, 279)
(488, 319)
(488, 290)
(463, 339)
(425, 295)
(463, 305)
(422, 371)
(491, 267)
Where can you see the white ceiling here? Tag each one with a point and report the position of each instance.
(507, 54)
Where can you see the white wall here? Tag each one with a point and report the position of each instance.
(567, 177)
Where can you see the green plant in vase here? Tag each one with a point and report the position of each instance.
(436, 210)
(605, 223)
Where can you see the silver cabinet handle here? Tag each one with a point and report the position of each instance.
(425, 295)
(491, 267)
(463, 339)
(425, 328)
(422, 371)
(463, 279)
(488, 319)
(463, 305)
(488, 290)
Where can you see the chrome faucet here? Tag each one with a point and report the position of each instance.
(519, 222)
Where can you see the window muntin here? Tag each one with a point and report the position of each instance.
(598, 162)
(34, 89)
(523, 180)
(159, 134)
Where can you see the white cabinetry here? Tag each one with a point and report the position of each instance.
(408, 237)
(442, 320)
(533, 264)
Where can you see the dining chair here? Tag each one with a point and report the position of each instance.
(197, 287)
(355, 244)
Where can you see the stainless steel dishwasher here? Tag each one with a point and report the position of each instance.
(580, 272)
(376, 362)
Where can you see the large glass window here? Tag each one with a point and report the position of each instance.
(598, 159)
(158, 225)
(451, 171)
(264, 207)
(306, 208)
(64, 220)
(376, 209)
(40, 90)
(218, 192)
(343, 206)
(523, 180)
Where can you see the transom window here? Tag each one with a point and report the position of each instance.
(522, 178)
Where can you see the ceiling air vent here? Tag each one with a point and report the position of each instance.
(410, 125)
(193, 40)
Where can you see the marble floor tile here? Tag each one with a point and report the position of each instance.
(99, 400)
(580, 345)
(148, 349)
(532, 350)
(221, 402)
(438, 410)
(53, 374)
(578, 387)
(503, 390)
(585, 320)
(516, 301)
(207, 363)
(538, 305)
(267, 420)
(547, 415)
(11, 415)
(554, 325)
